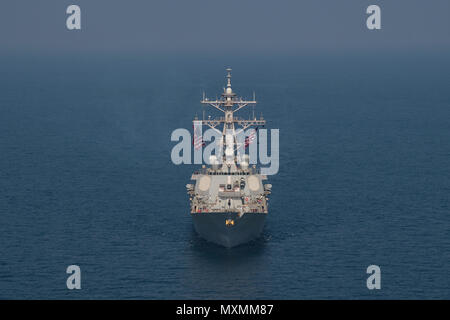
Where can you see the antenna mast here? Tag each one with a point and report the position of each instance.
(229, 104)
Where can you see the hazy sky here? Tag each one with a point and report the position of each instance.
(233, 26)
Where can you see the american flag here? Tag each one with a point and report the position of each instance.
(251, 137)
(197, 141)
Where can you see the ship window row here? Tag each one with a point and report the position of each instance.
(228, 174)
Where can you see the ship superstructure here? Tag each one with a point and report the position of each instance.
(228, 201)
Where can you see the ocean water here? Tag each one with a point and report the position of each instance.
(86, 177)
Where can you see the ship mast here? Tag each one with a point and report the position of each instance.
(229, 103)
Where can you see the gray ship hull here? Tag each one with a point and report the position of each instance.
(214, 228)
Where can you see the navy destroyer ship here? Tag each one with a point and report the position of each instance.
(228, 201)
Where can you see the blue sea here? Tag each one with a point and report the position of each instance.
(86, 177)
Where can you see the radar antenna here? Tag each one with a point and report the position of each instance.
(229, 104)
